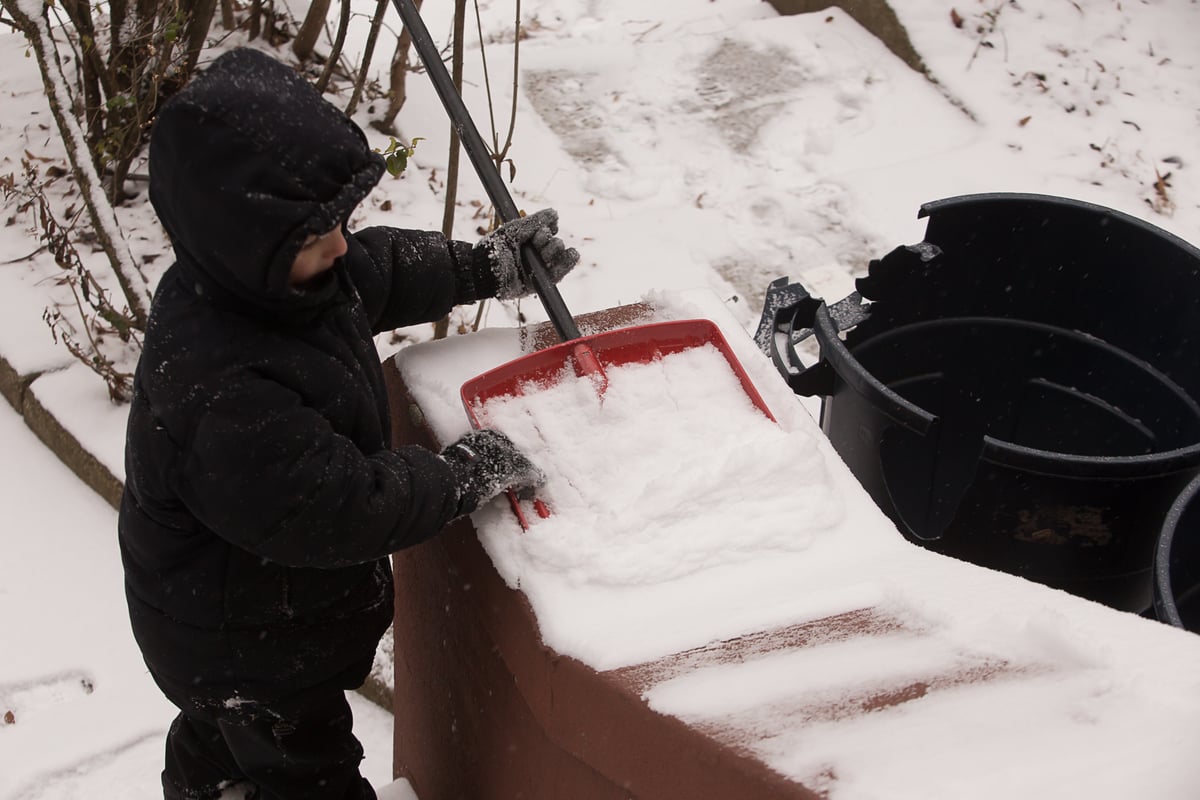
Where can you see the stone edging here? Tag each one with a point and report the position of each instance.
(15, 388)
(876, 16)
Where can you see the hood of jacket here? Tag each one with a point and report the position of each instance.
(245, 163)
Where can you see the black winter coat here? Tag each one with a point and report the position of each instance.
(262, 497)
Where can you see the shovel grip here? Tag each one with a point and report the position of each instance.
(587, 365)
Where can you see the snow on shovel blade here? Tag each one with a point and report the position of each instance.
(639, 344)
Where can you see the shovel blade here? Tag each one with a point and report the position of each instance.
(590, 356)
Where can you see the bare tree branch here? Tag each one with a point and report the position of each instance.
(108, 232)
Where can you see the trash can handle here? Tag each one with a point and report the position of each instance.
(790, 313)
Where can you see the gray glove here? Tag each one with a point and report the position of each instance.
(497, 261)
(486, 463)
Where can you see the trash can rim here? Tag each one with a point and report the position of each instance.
(1034, 460)
(965, 201)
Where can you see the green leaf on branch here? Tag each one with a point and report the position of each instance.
(396, 155)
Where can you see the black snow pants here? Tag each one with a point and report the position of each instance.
(300, 747)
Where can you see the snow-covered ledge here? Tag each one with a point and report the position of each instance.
(35, 395)
(795, 646)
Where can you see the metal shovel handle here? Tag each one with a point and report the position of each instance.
(485, 166)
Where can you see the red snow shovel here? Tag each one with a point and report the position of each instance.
(587, 355)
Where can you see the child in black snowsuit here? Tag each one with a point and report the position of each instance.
(262, 496)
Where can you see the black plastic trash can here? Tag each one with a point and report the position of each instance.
(1177, 562)
(1019, 390)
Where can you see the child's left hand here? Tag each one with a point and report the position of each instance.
(485, 463)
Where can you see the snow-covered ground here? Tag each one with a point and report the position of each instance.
(709, 146)
(86, 719)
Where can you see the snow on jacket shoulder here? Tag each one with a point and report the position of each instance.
(262, 496)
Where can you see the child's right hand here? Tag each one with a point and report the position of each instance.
(498, 271)
(485, 463)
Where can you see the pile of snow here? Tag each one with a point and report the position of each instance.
(649, 481)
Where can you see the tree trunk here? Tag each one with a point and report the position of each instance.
(442, 326)
(256, 14)
(398, 89)
(310, 30)
(228, 20)
(199, 22)
(94, 73)
(335, 52)
(368, 52)
(456, 73)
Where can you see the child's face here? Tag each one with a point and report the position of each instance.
(317, 255)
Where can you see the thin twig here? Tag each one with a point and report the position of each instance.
(512, 120)
(25, 257)
(487, 81)
(993, 17)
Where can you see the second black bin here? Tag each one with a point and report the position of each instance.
(1177, 562)
(1019, 390)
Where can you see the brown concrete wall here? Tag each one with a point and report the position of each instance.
(483, 709)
